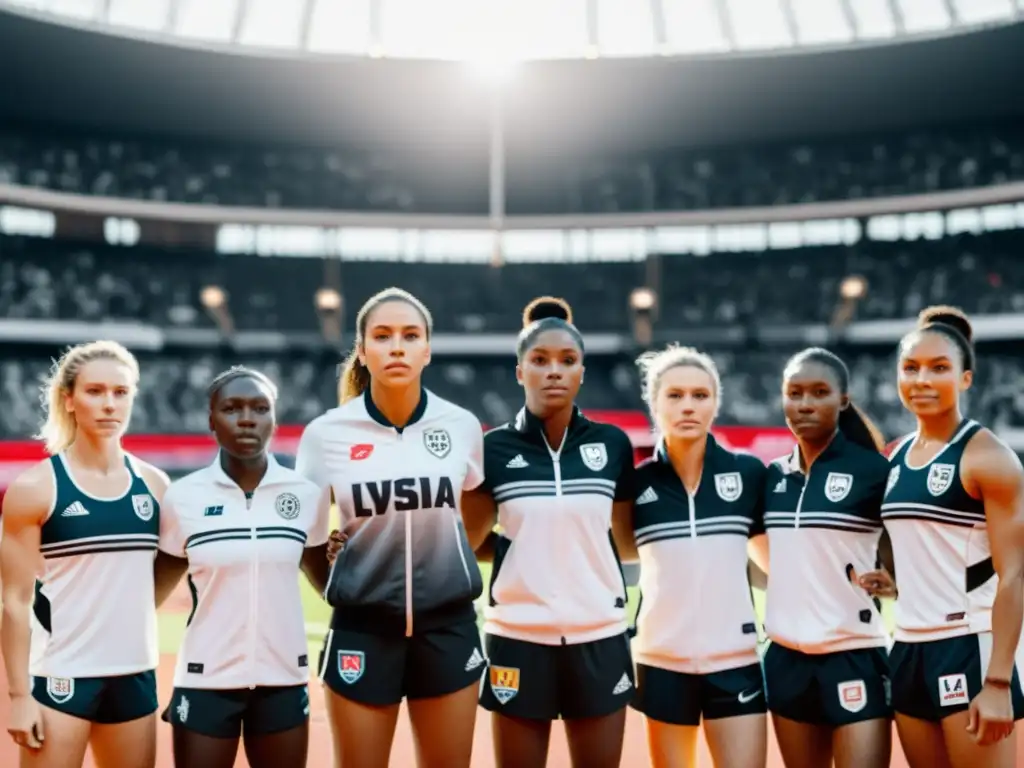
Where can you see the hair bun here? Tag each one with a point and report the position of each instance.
(946, 315)
(544, 307)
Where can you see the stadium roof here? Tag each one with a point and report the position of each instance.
(529, 29)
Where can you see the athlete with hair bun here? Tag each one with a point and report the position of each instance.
(555, 622)
(954, 508)
(80, 645)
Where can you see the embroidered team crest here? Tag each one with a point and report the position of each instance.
(853, 695)
(351, 665)
(894, 477)
(837, 486)
(438, 442)
(504, 683)
(287, 505)
(940, 477)
(142, 503)
(595, 456)
(729, 486)
(60, 689)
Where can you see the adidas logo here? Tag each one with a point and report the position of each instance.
(74, 509)
(647, 497)
(517, 463)
(623, 685)
(475, 660)
(780, 487)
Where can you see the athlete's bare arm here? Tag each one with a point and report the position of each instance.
(479, 516)
(622, 531)
(757, 551)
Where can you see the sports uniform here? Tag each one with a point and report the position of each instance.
(244, 658)
(827, 662)
(94, 636)
(693, 563)
(555, 621)
(947, 584)
(403, 587)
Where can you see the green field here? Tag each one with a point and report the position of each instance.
(318, 614)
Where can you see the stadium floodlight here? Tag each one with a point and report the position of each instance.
(642, 299)
(328, 300)
(853, 287)
(213, 297)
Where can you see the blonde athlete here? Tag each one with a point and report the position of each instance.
(92, 511)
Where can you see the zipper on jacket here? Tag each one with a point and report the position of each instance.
(254, 574)
(800, 500)
(691, 505)
(556, 459)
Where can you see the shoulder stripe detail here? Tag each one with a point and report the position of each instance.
(682, 529)
(930, 512)
(99, 541)
(566, 483)
(526, 488)
(832, 520)
(242, 534)
(99, 548)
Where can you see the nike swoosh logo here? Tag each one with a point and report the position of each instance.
(747, 698)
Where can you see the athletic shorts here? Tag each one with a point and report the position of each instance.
(105, 700)
(223, 714)
(933, 680)
(677, 698)
(548, 682)
(834, 689)
(382, 669)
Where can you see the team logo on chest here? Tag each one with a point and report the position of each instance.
(438, 442)
(837, 486)
(142, 503)
(287, 505)
(894, 477)
(940, 477)
(595, 456)
(729, 486)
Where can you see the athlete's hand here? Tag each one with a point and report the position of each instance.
(990, 716)
(26, 722)
(335, 543)
(878, 583)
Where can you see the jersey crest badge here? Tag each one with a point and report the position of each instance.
(438, 442)
(60, 689)
(351, 665)
(729, 486)
(287, 505)
(595, 456)
(142, 503)
(894, 477)
(853, 695)
(504, 683)
(940, 477)
(838, 486)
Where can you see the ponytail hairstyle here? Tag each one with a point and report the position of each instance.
(852, 422)
(355, 377)
(59, 427)
(546, 313)
(239, 372)
(654, 365)
(950, 322)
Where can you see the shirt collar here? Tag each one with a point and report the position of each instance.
(834, 448)
(529, 424)
(375, 412)
(712, 451)
(275, 472)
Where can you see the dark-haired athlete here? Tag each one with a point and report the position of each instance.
(243, 527)
(826, 668)
(556, 619)
(955, 511)
(398, 458)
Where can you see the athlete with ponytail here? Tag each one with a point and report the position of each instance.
(826, 669)
(80, 645)
(556, 620)
(954, 508)
(398, 459)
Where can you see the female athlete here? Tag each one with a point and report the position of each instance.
(243, 527)
(397, 458)
(697, 504)
(92, 512)
(556, 619)
(954, 509)
(826, 669)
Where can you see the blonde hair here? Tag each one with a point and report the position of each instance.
(654, 365)
(59, 428)
(355, 377)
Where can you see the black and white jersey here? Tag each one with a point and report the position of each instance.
(410, 561)
(940, 544)
(696, 612)
(819, 525)
(557, 577)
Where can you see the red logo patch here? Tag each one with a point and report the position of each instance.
(360, 451)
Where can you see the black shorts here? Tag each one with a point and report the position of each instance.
(933, 680)
(677, 698)
(383, 669)
(548, 682)
(224, 713)
(106, 700)
(833, 689)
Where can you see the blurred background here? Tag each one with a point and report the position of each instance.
(213, 182)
